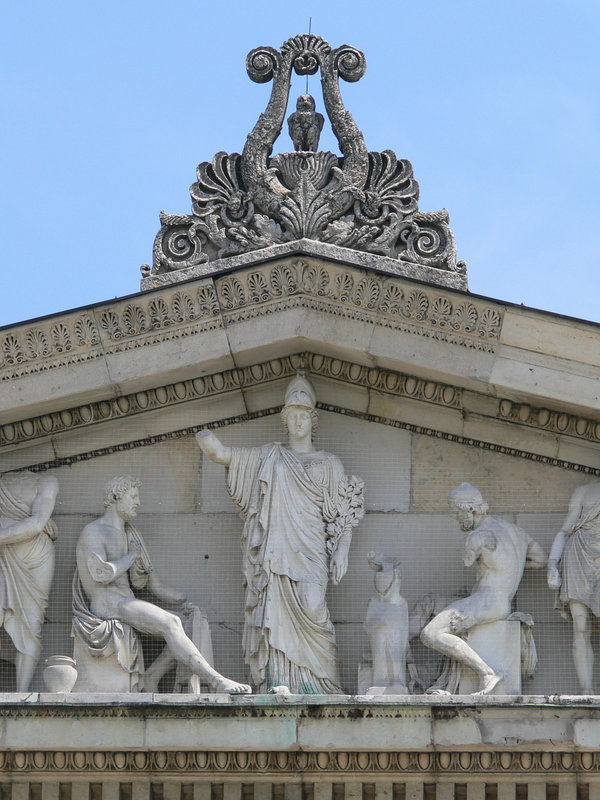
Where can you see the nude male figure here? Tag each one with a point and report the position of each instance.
(574, 568)
(500, 552)
(110, 558)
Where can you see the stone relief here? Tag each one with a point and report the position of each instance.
(27, 537)
(299, 509)
(112, 564)
(574, 570)
(362, 200)
(500, 551)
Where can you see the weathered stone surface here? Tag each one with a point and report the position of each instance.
(437, 465)
(309, 247)
(499, 644)
(363, 201)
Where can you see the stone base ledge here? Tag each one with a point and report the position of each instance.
(309, 247)
(207, 699)
(131, 722)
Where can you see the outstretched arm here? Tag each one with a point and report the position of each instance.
(42, 509)
(213, 447)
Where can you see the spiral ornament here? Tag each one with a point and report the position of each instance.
(262, 63)
(349, 62)
(428, 242)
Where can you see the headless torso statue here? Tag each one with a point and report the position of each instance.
(27, 537)
(576, 549)
(298, 508)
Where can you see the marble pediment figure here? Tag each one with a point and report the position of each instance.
(299, 509)
(387, 626)
(574, 570)
(500, 551)
(27, 537)
(113, 564)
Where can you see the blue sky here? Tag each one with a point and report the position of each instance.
(110, 106)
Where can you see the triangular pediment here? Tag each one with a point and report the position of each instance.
(405, 351)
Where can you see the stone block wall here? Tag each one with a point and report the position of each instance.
(192, 529)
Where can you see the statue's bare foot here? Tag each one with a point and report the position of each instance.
(279, 689)
(442, 692)
(488, 682)
(222, 684)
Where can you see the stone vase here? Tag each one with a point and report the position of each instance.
(60, 674)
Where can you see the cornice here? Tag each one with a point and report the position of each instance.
(342, 291)
(545, 419)
(177, 312)
(374, 379)
(393, 383)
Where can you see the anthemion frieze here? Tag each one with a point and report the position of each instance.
(193, 308)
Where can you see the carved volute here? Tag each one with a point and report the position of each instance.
(361, 200)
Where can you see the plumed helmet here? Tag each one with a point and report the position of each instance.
(300, 392)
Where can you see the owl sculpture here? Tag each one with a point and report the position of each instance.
(305, 125)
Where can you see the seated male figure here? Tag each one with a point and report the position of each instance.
(500, 552)
(112, 561)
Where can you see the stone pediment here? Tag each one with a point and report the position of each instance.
(456, 361)
(361, 201)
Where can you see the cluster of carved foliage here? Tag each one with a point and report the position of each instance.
(43, 340)
(362, 200)
(161, 312)
(328, 762)
(30, 349)
(164, 396)
(554, 421)
(461, 321)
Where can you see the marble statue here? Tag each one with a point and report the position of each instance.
(299, 509)
(387, 626)
(574, 568)
(112, 562)
(27, 537)
(500, 551)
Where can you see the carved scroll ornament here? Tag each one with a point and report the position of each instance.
(361, 200)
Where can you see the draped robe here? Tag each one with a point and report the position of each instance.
(25, 574)
(581, 560)
(286, 500)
